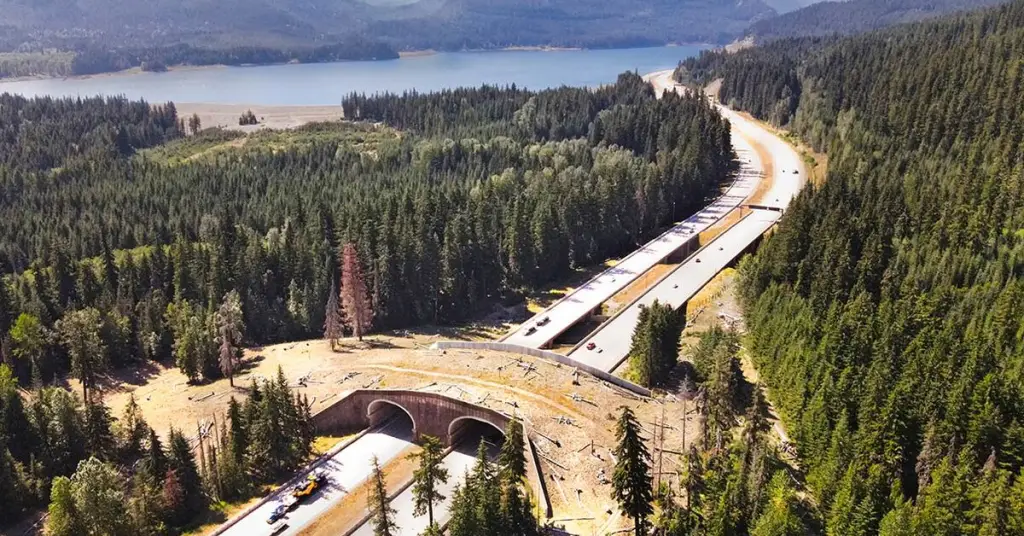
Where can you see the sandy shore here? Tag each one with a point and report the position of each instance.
(226, 115)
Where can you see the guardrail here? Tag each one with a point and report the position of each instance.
(544, 354)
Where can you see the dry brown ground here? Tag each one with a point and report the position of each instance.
(537, 391)
(226, 115)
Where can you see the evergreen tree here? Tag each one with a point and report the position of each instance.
(230, 328)
(80, 333)
(183, 467)
(382, 515)
(355, 299)
(779, 517)
(99, 437)
(654, 350)
(131, 430)
(428, 477)
(333, 327)
(631, 480)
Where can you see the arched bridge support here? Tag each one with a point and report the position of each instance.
(432, 414)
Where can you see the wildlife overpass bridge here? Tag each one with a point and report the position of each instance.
(433, 414)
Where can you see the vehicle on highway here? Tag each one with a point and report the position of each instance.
(278, 513)
(306, 489)
(531, 330)
(278, 529)
(544, 321)
(591, 346)
(796, 172)
(698, 260)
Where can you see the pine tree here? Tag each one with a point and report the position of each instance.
(428, 477)
(463, 520)
(131, 431)
(655, 347)
(239, 431)
(181, 463)
(779, 517)
(99, 439)
(333, 327)
(511, 460)
(355, 299)
(230, 329)
(631, 480)
(154, 462)
(382, 515)
(80, 333)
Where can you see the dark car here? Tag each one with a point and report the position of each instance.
(531, 330)
(278, 513)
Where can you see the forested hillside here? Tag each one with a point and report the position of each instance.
(856, 16)
(482, 194)
(107, 35)
(885, 314)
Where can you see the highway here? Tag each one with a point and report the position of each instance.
(613, 338)
(458, 461)
(345, 470)
(569, 310)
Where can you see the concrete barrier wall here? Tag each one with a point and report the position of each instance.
(543, 354)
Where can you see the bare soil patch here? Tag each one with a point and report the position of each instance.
(278, 117)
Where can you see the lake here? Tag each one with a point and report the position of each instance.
(327, 83)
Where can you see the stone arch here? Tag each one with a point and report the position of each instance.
(458, 426)
(381, 410)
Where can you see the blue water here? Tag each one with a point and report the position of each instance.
(327, 83)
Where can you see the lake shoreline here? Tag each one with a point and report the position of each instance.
(407, 54)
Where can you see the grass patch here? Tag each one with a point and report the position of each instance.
(323, 444)
(183, 150)
(360, 136)
(215, 515)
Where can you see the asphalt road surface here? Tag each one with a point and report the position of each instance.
(612, 340)
(566, 312)
(346, 470)
(458, 462)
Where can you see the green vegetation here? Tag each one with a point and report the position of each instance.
(24, 64)
(730, 478)
(487, 193)
(885, 313)
(106, 35)
(855, 16)
(490, 500)
(654, 351)
(103, 475)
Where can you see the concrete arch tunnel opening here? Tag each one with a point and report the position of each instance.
(466, 433)
(392, 418)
